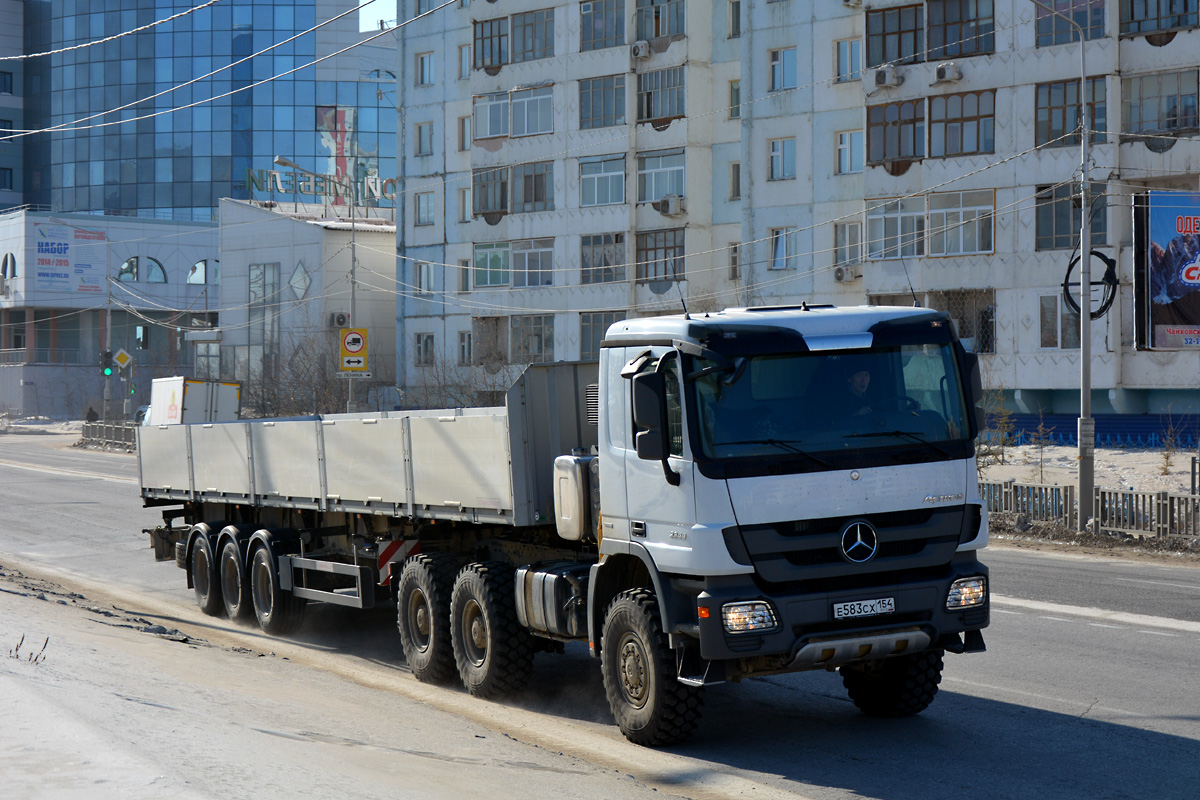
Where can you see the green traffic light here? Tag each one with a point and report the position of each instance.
(107, 371)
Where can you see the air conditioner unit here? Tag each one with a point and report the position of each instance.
(853, 3)
(947, 72)
(640, 49)
(339, 319)
(671, 205)
(886, 76)
(845, 274)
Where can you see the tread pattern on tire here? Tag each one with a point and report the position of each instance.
(287, 610)
(681, 706)
(437, 571)
(241, 608)
(898, 687)
(510, 650)
(211, 603)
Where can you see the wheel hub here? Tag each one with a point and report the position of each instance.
(633, 672)
(478, 633)
(423, 620)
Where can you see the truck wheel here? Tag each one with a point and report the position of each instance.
(423, 616)
(235, 590)
(278, 612)
(894, 687)
(205, 578)
(493, 652)
(650, 706)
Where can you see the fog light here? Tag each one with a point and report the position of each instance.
(966, 593)
(748, 617)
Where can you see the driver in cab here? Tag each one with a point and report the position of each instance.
(858, 399)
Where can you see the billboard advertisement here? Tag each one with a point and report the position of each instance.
(68, 259)
(1173, 270)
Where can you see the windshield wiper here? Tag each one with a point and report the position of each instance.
(911, 435)
(787, 446)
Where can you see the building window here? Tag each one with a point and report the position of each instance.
(533, 35)
(735, 99)
(1160, 103)
(974, 314)
(197, 274)
(1149, 16)
(960, 28)
(128, 271)
(464, 62)
(735, 180)
(602, 257)
(464, 134)
(464, 205)
(962, 124)
(895, 36)
(464, 275)
(601, 180)
(849, 60)
(602, 102)
(491, 115)
(783, 248)
(489, 187)
(533, 111)
(424, 210)
(660, 95)
(1059, 324)
(896, 131)
(424, 69)
(592, 327)
(491, 264)
(735, 260)
(154, 271)
(896, 228)
(1059, 220)
(533, 262)
(783, 69)
(601, 24)
(208, 360)
(424, 139)
(735, 19)
(141, 337)
(6, 178)
(423, 6)
(423, 277)
(781, 165)
(532, 338)
(660, 174)
(847, 243)
(849, 152)
(464, 348)
(491, 43)
(960, 223)
(6, 83)
(660, 256)
(1058, 112)
(533, 187)
(1053, 29)
(423, 353)
(656, 18)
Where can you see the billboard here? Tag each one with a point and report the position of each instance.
(1172, 256)
(68, 258)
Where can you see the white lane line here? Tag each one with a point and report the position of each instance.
(1003, 611)
(60, 471)
(1102, 625)
(1156, 633)
(1134, 620)
(1192, 586)
(1055, 619)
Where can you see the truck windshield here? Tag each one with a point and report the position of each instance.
(814, 404)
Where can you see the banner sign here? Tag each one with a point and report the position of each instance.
(1174, 270)
(69, 259)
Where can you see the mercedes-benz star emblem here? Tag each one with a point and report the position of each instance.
(860, 542)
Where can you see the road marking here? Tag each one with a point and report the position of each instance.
(60, 471)
(1102, 625)
(1157, 633)
(1134, 620)
(1055, 619)
(1192, 587)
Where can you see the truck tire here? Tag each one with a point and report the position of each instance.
(650, 706)
(235, 589)
(423, 616)
(205, 578)
(493, 652)
(278, 612)
(895, 687)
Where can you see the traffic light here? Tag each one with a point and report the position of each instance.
(106, 362)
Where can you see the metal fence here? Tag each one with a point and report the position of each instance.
(1154, 515)
(115, 435)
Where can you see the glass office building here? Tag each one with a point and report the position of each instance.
(333, 118)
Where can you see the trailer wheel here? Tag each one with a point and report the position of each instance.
(650, 706)
(423, 616)
(278, 612)
(235, 589)
(493, 652)
(205, 579)
(894, 687)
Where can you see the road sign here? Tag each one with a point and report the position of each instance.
(360, 375)
(122, 359)
(354, 350)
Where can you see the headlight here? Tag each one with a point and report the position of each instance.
(748, 617)
(966, 593)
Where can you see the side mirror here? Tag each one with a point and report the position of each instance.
(969, 364)
(649, 397)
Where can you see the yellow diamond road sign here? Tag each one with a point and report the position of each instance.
(122, 359)
(354, 350)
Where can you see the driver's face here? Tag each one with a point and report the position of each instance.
(859, 381)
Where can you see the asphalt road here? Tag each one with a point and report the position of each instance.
(1087, 689)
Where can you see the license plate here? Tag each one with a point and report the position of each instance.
(864, 608)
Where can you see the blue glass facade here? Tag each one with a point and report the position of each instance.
(178, 165)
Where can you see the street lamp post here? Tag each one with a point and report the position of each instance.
(1086, 430)
(351, 406)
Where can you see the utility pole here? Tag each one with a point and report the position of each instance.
(1086, 429)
